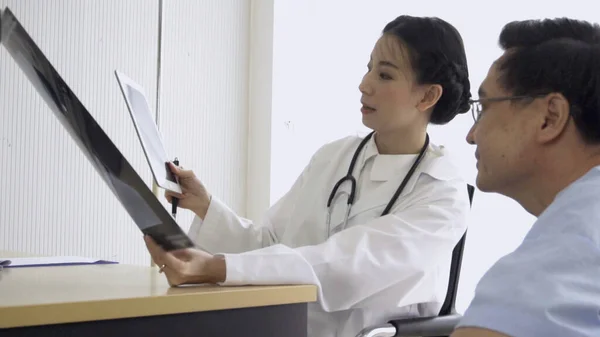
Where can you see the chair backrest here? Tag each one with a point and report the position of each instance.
(457, 254)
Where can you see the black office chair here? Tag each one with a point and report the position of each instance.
(438, 326)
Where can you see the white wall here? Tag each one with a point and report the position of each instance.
(204, 93)
(321, 49)
(52, 201)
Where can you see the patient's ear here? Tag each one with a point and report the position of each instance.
(554, 117)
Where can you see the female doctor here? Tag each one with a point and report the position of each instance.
(379, 243)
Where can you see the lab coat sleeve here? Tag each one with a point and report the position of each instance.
(223, 231)
(354, 267)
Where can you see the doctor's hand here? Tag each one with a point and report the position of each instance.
(195, 197)
(187, 266)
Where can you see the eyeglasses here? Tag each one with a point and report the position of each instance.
(477, 108)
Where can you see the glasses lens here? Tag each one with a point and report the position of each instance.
(476, 111)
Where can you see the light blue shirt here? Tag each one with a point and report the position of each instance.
(550, 285)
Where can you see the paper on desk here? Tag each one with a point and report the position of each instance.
(50, 261)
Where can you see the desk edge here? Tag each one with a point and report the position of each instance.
(72, 312)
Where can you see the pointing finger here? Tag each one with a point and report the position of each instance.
(170, 194)
(175, 169)
(180, 172)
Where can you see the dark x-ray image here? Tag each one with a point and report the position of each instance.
(135, 196)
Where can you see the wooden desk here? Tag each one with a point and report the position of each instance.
(124, 300)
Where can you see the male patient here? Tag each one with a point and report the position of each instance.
(538, 142)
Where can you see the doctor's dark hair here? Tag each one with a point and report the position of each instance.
(555, 56)
(437, 56)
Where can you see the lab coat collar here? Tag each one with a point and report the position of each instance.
(435, 164)
(385, 167)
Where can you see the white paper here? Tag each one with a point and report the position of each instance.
(47, 261)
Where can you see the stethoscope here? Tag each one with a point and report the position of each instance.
(334, 195)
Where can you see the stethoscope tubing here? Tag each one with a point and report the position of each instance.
(349, 177)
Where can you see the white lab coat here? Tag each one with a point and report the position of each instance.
(375, 269)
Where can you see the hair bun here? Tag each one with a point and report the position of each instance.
(454, 79)
(462, 75)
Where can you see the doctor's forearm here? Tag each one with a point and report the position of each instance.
(223, 231)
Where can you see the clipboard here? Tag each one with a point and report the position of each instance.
(147, 132)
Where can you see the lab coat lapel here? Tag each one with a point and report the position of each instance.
(375, 198)
(435, 164)
(341, 206)
(381, 196)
